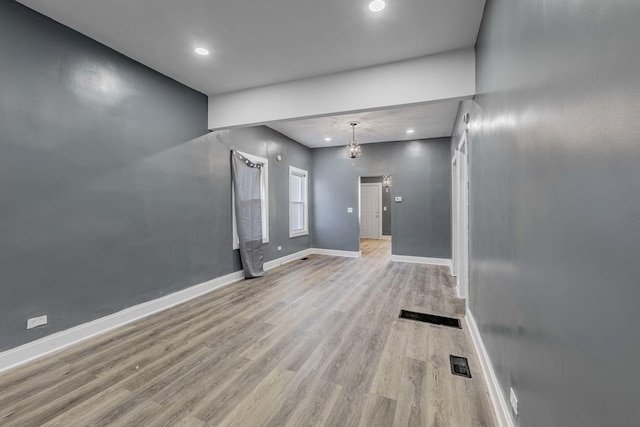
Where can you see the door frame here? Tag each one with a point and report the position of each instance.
(371, 184)
(460, 216)
(454, 215)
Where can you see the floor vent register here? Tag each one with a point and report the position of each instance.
(430, 318)
(460, 366)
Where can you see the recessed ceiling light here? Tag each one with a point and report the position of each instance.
(202, 51)
(327, 139)
(377, 5)
(410, 131)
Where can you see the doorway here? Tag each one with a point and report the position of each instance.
(374, 207)
(460, 217)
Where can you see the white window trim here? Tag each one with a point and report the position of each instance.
(264, 195)
(300, 172)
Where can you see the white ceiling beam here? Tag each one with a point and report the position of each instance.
(444, 76)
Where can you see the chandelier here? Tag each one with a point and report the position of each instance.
(386, 182)
(353, 148)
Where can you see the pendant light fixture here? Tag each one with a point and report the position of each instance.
(386, 182)
(353, 148)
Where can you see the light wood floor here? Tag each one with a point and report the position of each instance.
(315, 342)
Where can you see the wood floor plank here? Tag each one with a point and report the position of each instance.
(171, 375)
(251, 410)
(332, 324)
(60, 399)
(388, 374)
(347, 410)
(418, 346)
(180, 399)
(313, 409)
(213, 410)
(313, 343)
(298, 390)
(439, 406)
(379, 411)
(146, 413)
(85, 413)
(411, 408)
(17, 391)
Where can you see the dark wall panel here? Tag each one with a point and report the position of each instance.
(555, 212)
(421, 170)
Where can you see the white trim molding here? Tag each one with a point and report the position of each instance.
(304, 193)
(334, 252)
(51, 343)
(60, 340)
(421, 260)
(270, 265)
(501, 409)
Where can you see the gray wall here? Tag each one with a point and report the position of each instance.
(386, 202)
(555, 212)
(421, 170)
(112, 192)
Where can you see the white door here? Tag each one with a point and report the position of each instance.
(370, 211)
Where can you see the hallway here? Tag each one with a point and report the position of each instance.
(379, 249)
(315, 342)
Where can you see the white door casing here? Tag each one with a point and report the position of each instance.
(371, 211)
(455, 256)
(460, 220)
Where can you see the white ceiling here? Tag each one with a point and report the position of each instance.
(428, 121)
(259, 42)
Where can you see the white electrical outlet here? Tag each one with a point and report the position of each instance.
(349, 210)
(514, 401)
(398, 199)
(37, 321)
(279, 248)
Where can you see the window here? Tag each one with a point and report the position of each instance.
(264, 196)
(298, 212)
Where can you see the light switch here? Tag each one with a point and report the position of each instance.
(349, 210)
(398, 199)
(384, 209)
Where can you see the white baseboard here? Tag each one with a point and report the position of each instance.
(334, 252)
(60, 340)
(311, 251)
(51, 343)
(500, 406)
(270, 265)
(421, 260)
